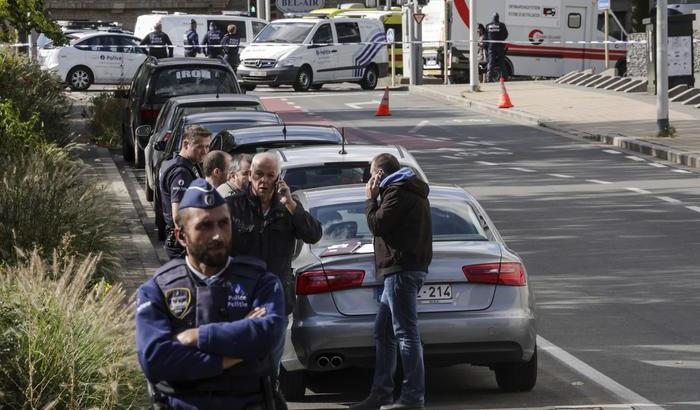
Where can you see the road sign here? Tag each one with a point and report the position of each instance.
(603, 4)
(390, 35)
(418, 17)
(298, 6)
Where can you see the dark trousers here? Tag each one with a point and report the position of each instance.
(496, 64)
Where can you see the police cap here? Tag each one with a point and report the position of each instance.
(201, 194)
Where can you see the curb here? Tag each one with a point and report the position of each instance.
(633, 144)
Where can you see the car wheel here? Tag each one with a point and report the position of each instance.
(80, 78)
(369, 81)
(160, 221)
(304, 79)
(514, 377)
(316, 86)
(127, 149)
(149, 191)
(293, 384)
(139, 157)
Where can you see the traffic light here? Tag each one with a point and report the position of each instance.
(251, 10)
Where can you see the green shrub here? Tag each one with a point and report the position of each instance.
(35, 92)
(65, 344)
(47, 202)
(17, 136)
(106, 113)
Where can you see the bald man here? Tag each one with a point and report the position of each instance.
(267, 221)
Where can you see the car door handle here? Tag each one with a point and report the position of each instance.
(334, 51)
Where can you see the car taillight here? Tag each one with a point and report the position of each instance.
(319, 281)
(147, 114)
(507, 273)
(167, 136)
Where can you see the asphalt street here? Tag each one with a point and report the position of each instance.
(609, 241)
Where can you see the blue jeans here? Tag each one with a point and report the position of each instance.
(278, 350)
(396, 325)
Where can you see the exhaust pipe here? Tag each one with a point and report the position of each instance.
(336, 361)
(323, 362)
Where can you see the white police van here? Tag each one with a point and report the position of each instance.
(176, 25)
(94, 57)
(308, 52)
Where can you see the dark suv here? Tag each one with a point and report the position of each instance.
(157, 80)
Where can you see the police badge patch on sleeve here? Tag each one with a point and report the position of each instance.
(178, 301)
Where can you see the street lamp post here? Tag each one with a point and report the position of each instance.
(662, 67)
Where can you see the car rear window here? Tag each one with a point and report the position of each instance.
(329, 174)
(451, 221)
(176, 81)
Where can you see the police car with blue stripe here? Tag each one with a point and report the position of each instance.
(309, 52)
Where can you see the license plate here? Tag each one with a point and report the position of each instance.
(258, 73)
(435, 293)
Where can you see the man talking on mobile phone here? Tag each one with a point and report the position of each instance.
(267, 221)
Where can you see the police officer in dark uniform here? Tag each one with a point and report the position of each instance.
(212, 41)
(191, 40)
(205, 325)
(496, 31)
(230, 44)
(174, 179)
(159, 42)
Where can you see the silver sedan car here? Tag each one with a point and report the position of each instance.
(475, 306)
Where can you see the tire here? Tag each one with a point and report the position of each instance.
(149, 191)
(249, 87)
(304, 79)
(127, 149)
(316, 86)
(160, 221)
(293, 384)
(515, 377)
(80, 78)
(274, 85)
(139, 157)
(370, 79)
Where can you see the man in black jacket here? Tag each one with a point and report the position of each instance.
(403, 249)
(497, 33)
(267, 222)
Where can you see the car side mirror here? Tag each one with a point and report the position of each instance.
(143, 134)
(160, 145)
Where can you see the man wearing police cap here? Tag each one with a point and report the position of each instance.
(159, 43)
(206, 324)
(191, 40)
(174, 178)
(212, 41)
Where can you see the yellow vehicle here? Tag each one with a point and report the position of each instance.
(390, 19)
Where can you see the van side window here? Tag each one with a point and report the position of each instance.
(223, 24)
(574, 20)
(323, 35)
(348, 32)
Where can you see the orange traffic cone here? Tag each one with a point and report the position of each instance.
(505, 99)
(383, 109)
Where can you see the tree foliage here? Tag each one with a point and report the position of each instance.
(25, 15)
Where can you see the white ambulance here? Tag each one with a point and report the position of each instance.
(309, 52)
(546, 38)
(176, 25)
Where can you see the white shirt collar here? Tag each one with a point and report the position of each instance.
(202, 276)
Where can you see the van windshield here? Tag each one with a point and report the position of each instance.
(293, 33)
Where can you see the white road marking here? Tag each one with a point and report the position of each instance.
(681, 171)
(468, 143)
(627, 395)
(297, 107)
(522, 169)
(358, 105)
(560, 176)
(676, 364)
(669, 199)
(283, 99)
(611, 151)
(434, 150)
(638, 190)
(694, 208)
(633, 158)
(432, 139)
(418, 126)
(598, 181)
(312, 95)
(485, 163)
(657, 165)
(450, 157)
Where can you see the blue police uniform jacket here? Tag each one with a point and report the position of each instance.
(213, 38)
(191, 40)
(175, 177)
(175, 300)
(160, 40)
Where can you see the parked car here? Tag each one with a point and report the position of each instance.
(214, 122)
(475, 306)
(157, 80)
(323, 165)
(93, 57)
(176, 108)
(308, 53)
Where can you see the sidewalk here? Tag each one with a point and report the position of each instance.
(624, 120)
